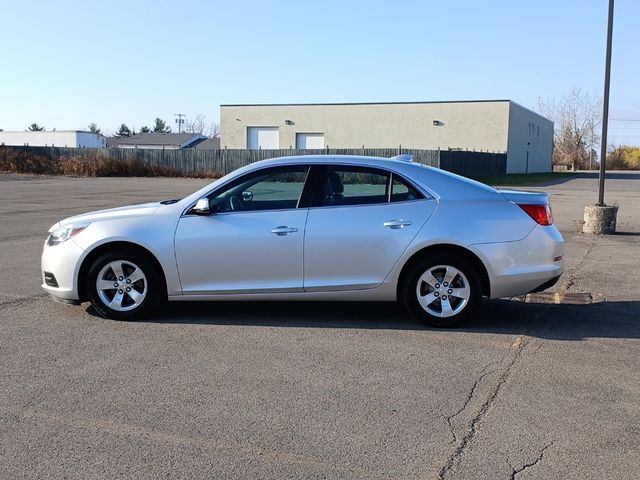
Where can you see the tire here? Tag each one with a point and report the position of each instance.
(441, 289)
(124, 285)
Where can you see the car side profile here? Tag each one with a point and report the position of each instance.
(312, 228)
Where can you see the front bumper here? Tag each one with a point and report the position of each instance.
(517, 268)
(63, 263)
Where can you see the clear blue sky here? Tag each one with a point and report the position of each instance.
(68, 63)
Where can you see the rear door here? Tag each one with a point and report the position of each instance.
(360, 222)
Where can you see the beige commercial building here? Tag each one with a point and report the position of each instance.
(494, 126)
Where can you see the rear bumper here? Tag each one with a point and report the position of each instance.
(545, 285)
(518, 268)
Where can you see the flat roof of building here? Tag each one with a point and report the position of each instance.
(47, 131)
(358, 103)
(377, 103)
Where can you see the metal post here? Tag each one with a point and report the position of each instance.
(605, 108)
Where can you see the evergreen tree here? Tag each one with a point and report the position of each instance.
(123, 131)
(160, 126)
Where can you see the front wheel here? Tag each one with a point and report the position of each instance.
(441, 290)
(124, 285)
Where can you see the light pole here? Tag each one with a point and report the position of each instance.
(605, 108)
(601, 218)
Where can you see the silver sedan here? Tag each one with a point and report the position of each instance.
(312, 228)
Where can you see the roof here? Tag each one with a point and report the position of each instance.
(357, 103)
(208, 144)
(178, 140)
(379, 103)
(49, 131)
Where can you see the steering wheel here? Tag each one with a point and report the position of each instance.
(235, 203)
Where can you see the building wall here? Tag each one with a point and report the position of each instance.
(495, 126)
(530, 146)
(59, 138)
(466, 125)
(90, 140)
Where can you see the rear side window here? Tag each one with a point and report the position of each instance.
(354, 186)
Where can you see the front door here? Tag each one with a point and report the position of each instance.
(252, 242)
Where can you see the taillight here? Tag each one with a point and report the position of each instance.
(540, 213)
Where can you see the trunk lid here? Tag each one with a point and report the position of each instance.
(525, 197)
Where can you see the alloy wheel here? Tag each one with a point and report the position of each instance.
(121, 285)
(443, 291)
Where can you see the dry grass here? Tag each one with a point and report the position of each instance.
(16, 161)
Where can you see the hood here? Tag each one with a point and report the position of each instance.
(141, 210)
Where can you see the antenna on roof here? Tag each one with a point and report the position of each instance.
(405, 157)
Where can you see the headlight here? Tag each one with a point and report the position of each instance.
(62, 234)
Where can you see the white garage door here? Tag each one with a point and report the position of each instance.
(263, 137)
(309, 140)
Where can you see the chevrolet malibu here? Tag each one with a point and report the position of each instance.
(312, 228)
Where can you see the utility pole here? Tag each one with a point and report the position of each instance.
(605, 108)
(179, 120)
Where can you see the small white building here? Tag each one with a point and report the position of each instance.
(53, 138)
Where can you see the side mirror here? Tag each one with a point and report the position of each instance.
(202, 207)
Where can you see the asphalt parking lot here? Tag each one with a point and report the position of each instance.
(526, 390)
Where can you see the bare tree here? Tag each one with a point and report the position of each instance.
(213, 131)
(199, 125)
(576, 118)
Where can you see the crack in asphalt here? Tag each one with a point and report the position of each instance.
(571, 276)
(450, 418)
(516, 471)
(519, 345)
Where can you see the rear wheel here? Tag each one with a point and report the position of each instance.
(124, 285)
(441, 289)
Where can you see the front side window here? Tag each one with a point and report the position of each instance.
(271, 189)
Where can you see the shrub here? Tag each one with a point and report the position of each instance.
(91, 165)
(17, 161)
(624, 158)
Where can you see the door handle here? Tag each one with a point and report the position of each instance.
(283, 230)
(396, 224)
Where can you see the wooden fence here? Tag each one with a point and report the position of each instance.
(467, 163)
